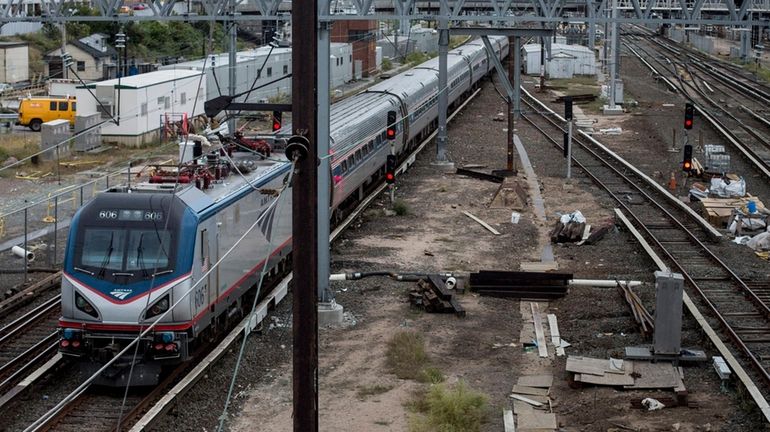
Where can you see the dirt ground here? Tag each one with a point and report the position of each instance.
(434, 236)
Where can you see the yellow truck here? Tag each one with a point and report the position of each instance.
(34, 111)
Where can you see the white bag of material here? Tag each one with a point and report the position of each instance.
(723, 189)
(760, 242)
(652, 404)
(575, 216)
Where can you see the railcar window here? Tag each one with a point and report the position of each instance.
(351, 162)
(63, 106)
(53, 106)
(358, 156)
(344, 166)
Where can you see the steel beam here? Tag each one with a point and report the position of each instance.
(443, 91)
(501, 31)
(325, 295)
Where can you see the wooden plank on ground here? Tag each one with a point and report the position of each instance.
(524, 390)
(508, 421)
(586, 365)
(536, 420)
(609, 379)
(654, 375)
(541, 348)
(527, 400)
(538, 266)
(482, 223)
(543, 381)
(554, 325)
(519, 407)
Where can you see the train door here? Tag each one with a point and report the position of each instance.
(203, 292)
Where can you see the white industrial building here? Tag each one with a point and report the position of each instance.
(565, 61)
(278, 65)
(14, 62)
(142, 103)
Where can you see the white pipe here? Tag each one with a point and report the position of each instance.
(604, 283)
(20, 252)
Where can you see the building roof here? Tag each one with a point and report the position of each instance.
(559, 47)
(148, 79)
(93, 52)
(13, 44)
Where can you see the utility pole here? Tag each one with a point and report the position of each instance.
(233, 122)
(304, 101)
(63, 49)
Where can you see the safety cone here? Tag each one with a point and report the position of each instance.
(672, 183)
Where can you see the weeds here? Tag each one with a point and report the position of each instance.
(400, 207)
(430, 375)
(448, 410)
(406, 355)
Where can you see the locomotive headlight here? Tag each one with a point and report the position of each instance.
(82, 304)
(158, 307)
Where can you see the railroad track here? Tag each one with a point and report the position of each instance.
(28, 341)
(141, 411)
(740, 127)
(28, 294)
(740, 307)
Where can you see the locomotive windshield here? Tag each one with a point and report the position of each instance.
(127, 252)
(127, 238)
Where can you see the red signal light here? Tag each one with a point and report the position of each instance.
(277, 118)
(391, 126)
(390, 177)
(688, 124)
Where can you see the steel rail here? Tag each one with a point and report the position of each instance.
(763, 308)
(29, 318)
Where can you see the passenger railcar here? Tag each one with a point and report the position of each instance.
(133, 253)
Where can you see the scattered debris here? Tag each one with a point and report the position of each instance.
(611, 131)
(569, 228)
(641, 316)
(652, 404)
(720, 365)
(719, 211)
(433, 296)
(729, 186)
(482, 223)
(529, 285)
(515, 216)
(508, 421)
(527, 400)
(480, 175)
(543, 381)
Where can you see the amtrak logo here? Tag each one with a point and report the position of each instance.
(266, 222)
(121, 294)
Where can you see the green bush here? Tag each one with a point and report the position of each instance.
(386, 65)
(456, 409)
(400, 207)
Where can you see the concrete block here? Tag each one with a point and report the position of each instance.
(329, 314)
(54, 133)
(91, 139)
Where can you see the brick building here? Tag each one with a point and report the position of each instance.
(363, 36)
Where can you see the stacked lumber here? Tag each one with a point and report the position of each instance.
(571, 232)
(641, 316)
(433, 296)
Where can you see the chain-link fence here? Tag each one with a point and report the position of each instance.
(40, 227)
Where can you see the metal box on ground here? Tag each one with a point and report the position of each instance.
(717, 160)
(55, 133)
(92, 139)
(667, 338)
